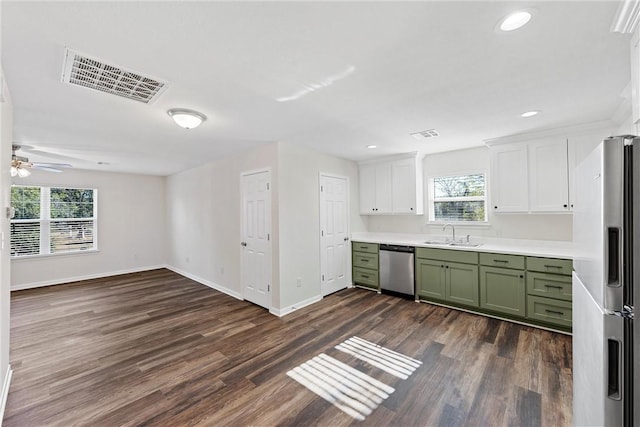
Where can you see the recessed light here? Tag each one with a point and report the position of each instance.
(372, 146)
(515, 20)
(530, 114)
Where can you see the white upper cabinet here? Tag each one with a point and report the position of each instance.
(536, 175)
(383, 189)
(509, 178)
(392, 186)
(548, 175)
(404, 186)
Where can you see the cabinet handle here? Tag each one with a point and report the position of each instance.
(559, 313)
(553, 286)
(564, 206)
(552, 266)
(446, 266)
(442, 266)
(364, 260)
(363, 247)
(411, 208)
(522, 276)
(495, 207)
(501, 260)
(364, 276)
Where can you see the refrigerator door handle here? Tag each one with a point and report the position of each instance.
(614, 369)
(613, 259)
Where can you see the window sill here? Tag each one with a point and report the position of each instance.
(58, 255)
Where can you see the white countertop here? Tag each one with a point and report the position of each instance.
(539, 248)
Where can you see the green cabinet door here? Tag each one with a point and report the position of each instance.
(430, 278)
(462, 283)
(503, 290)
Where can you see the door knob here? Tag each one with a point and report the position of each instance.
(243, 243)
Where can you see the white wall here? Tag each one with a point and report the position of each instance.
(131, 229)
(299, 204)
(203, 220)
(6, 137)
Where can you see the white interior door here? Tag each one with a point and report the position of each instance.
(256, 238)
(334, 233)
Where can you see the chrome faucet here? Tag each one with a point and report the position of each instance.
(453, 231)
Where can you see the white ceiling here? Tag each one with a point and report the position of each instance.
(389, 69)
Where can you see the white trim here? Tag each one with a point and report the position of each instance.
(348, 226)
(563, 131)
(413, 155)
(206, 282)
(290, 309)
(5, 391)
(85, 277)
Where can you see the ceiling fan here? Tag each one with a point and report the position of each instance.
(20, 165)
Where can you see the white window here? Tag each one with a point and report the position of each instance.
(459, 198)
(49, 220)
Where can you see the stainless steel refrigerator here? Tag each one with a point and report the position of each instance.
(606, 278)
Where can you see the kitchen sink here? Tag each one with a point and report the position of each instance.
(465, 244)
(449, 243)
(437, 242)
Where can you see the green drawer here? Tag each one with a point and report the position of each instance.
(549, 265)
(365, 277)
(365, 247)
(549, 285)
(502, 260)
(549, 310)
(365, 260)
(465, 257)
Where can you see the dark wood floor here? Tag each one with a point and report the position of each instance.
(156, 348)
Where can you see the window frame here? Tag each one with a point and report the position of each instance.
(431, 199)
(45, 221)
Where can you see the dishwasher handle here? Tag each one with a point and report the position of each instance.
(397, 248)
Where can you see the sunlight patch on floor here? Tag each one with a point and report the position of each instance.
(353, 392)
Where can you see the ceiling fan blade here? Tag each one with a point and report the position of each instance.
(50, 165)
(45, 168)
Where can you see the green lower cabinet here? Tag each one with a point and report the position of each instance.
(447, 281)
(549, 310)
(461, 283)
(503, 290)
(430, 279)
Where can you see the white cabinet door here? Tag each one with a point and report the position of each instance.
(509, 187)
(548, 175)
(404, 186)
(383, 189)
(579, 148)
(367, 189)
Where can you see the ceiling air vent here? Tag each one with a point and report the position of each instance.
(425, 134)
(92, 73)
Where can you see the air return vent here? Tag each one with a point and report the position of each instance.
(425, 134)
(92, 73)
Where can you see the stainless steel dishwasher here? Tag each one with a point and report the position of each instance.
(396, 269)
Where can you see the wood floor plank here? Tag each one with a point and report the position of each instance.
(155, 348)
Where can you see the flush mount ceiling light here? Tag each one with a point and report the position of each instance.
(530, 114)
(515, 20)
(185, 118)
(372, 146)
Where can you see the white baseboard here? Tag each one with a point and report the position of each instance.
(5, 392)
(206, 282)
(290, 309)
(23, 286)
